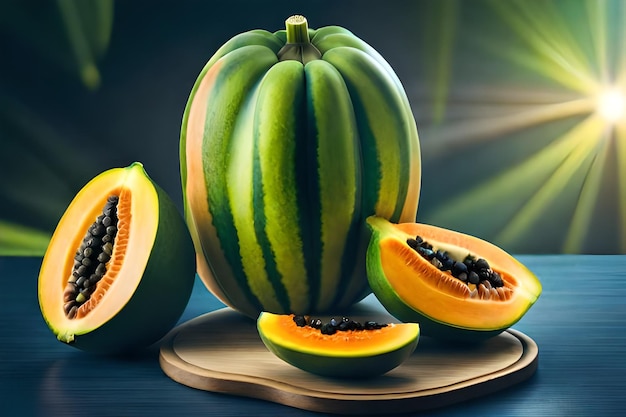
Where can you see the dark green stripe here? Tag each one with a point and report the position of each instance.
(309, 195)
(242, 69)
(261, 234)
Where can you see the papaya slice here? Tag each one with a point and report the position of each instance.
(120, 266)
(482, 291)
(334, 350)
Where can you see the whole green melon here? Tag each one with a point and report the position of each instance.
(289, 141)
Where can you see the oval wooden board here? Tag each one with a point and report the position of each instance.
(222, 352)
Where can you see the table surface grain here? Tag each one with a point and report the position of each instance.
(579, 324)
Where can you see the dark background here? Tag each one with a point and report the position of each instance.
(87, 86)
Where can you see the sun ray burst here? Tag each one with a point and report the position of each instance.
(573, 49)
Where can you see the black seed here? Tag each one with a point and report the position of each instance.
(86, 283)
(463, 276)
(426, 253)
(481, 264)
(82, 270)
(86, 261)
(299, 320)
(80, 281)
(107, 221)
(459, 268)
(108, 248)
(334, 322)
(93, 279)
(101, 269)
(447, 264)
(107, 238)
(316, 324)
(97, 230)
(67, 306)
(86, 292)
(103, 257)
(412, 243)
(436, 263)
(496, 279)
(484, 274)
(473, 277)
(328, 328)
(469, 264)
(87, 252)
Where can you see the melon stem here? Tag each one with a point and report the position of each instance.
(297, 29)
(298, 46)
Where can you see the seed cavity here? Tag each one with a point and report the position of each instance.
(336, 325)
(475, 273)
(91, 258)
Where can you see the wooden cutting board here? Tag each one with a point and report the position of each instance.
(222, 352)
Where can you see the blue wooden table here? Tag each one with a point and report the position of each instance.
(579, 324)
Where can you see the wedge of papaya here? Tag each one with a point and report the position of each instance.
(120, 267)
(340, 348)
(456, 286)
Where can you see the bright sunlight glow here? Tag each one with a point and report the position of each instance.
(612, 105)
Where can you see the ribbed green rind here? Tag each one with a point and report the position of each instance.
(300, 162)
(334, 154)
(240, 70)
(385, 132)
(253, 37)
(278, 201)
(162, 294)
(341, 366)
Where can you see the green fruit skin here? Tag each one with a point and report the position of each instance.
(294, 158)
(161, 296)
(398, 308)
(342, 367)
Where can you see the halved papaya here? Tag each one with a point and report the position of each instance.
(120, 266)
(456, 286)
(334, 350)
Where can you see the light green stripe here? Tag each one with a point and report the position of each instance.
(384, 113)
(280, 92)
(277, 123)
(240, 194)
(339, 173)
